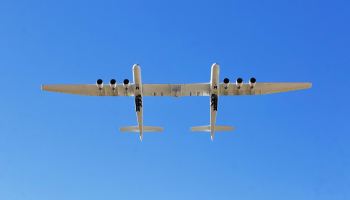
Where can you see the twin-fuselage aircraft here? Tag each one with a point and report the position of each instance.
(213, 89)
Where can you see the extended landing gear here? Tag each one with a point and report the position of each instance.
(214, 101)
(138, 102)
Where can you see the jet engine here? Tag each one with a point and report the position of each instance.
(226, 83)
(99, 83)
(113, 83)
(126, 83)
(252, 82)
(239, 82)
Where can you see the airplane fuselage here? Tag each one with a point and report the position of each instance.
(138, 97)
(214, 97)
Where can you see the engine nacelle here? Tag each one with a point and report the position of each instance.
(113, 83)
(226, 83)
(126, 83)
(99, 83)
(239, 82)
(252, 82)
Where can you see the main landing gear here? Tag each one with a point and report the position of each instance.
(214, 101)
(138, 102)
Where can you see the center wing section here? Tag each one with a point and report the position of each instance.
(176, 90)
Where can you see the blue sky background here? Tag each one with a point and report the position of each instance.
(286, 146)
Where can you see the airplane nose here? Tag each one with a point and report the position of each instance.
(136, 67)
(214, 66)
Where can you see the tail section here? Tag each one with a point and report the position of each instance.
(211, 131)
(140, 130)
(136, 129)
(207, 128)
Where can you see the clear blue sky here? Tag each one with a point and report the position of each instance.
(286, 146)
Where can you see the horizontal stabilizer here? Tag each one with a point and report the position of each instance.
(135, 129)
(207, 128)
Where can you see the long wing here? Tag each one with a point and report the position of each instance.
(176, 90)
(262, 88)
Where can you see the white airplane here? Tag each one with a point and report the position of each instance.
(214, 89)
